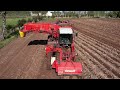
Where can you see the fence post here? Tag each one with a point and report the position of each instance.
(3, 24)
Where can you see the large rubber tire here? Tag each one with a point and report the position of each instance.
(49, 61)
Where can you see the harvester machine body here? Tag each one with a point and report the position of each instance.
(61, 53)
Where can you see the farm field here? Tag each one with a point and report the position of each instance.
(97, 45)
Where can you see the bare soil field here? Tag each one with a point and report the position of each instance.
(24, 58)
(97, 45)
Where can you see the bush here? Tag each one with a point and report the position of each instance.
(40, 18)
(29, 20)
(15, 34)
(21, 23)
(76, 15)
(10, 28)
(114, 14)
(34, 19)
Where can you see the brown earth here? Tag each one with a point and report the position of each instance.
(97, 45)
(24, 59)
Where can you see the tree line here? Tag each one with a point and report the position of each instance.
(94, 14)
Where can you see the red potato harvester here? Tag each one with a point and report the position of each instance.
(60, 50)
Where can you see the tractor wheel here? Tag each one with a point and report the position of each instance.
(58, 57)
(49, 61)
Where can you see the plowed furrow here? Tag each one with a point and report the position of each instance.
(100, 34)
(108, 65)
(96, 61)
(14, 65)
(86, 59)
(104, 55)
(13, 50)
(109, 50)
(99, 38)
(12, 46)
(107, 27)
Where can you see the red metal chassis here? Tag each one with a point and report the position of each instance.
(68, 66)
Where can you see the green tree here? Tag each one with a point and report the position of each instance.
(10, 28)
(29, 20)
(21, 23)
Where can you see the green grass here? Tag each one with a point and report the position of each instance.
(13, 21)
(10, 37)
(6, 41)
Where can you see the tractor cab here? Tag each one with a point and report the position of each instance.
(65, 36)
